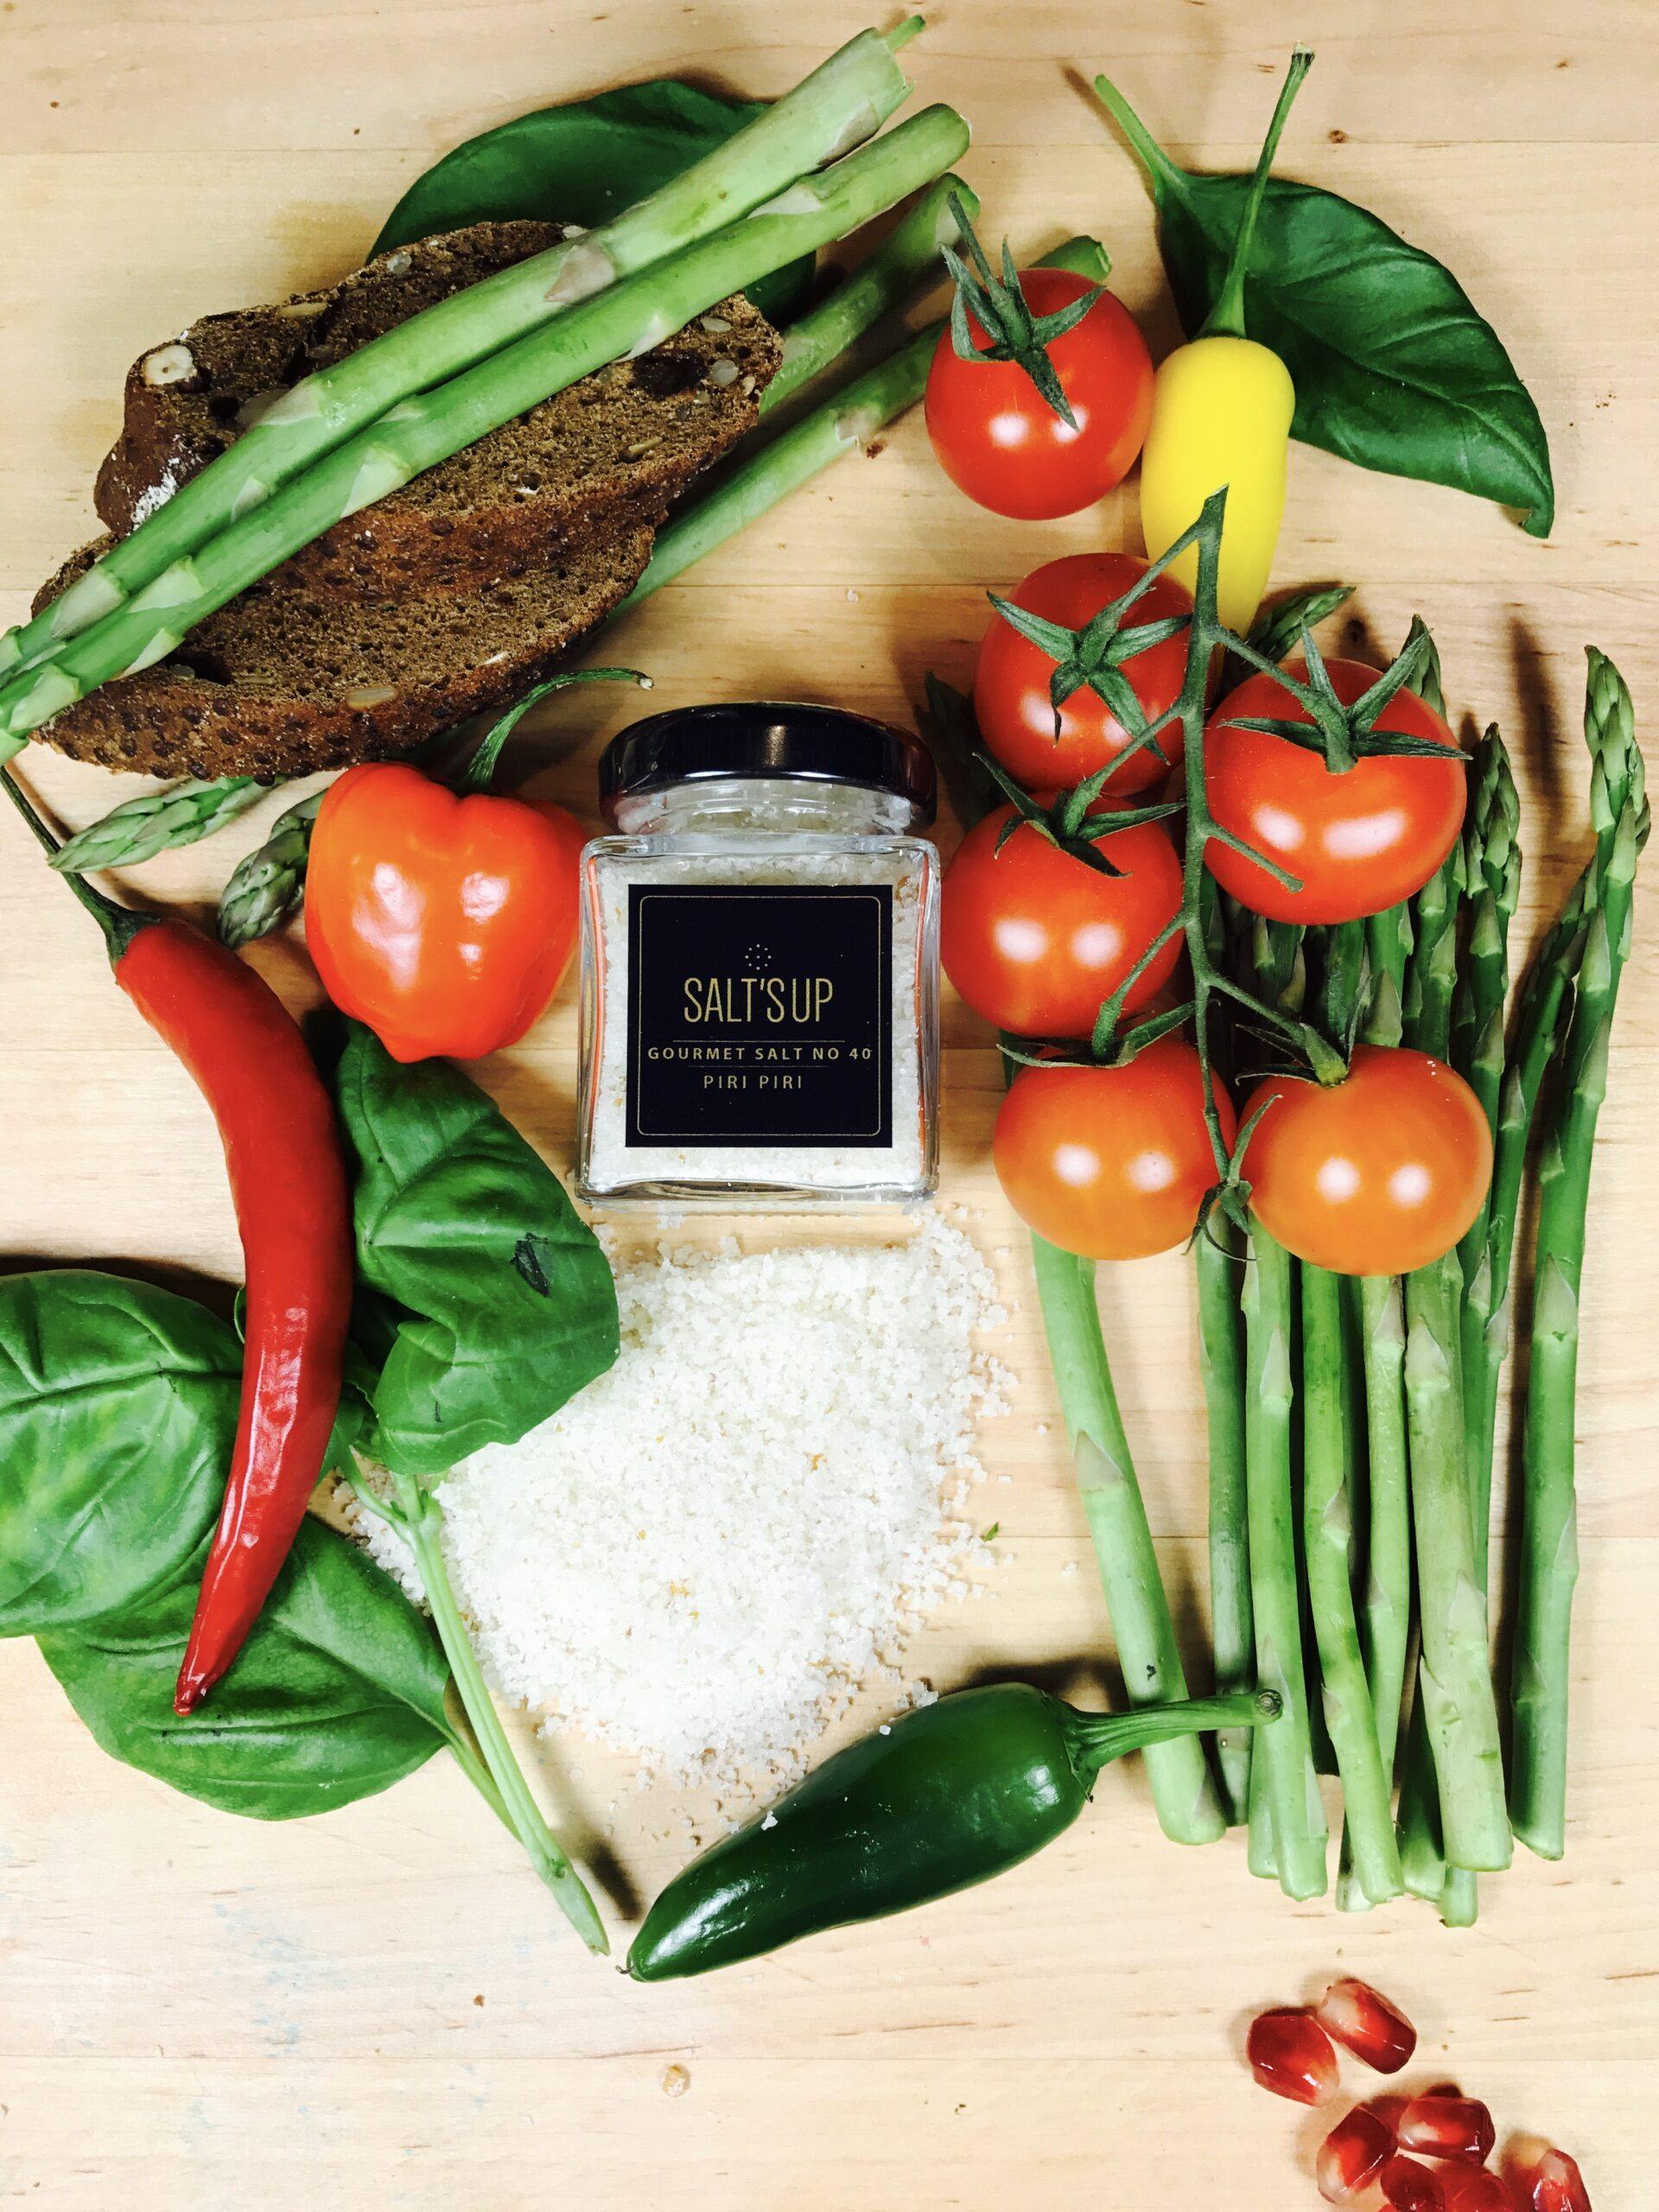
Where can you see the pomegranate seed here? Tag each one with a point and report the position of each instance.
(1352, 2156)
(1554, 2184)
(1290, 2054)
(1475, 2188)
(1364, 2021)
(1411, 2188)
(1448, 2127)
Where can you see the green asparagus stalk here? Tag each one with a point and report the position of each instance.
(265, 886)
(628, 317)
(1386, 1618)
(842, 422)
(1327, 1542)
(905, 259)
(1220, 1336)
(1289, 1792)
(159, 821)
(1383, 1328)
(1491, 878)
(1549, 1541)
(843, 102)
(1546, 998)
(1455, 1692)
(1329, 1464)
(1183, 1792)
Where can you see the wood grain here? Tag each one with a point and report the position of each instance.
(379, 2009)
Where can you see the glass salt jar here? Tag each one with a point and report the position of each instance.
(759, 963)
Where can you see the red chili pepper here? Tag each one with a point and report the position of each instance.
(293, 1206)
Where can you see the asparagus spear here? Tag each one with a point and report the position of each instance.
(1182, 1790)
(1549, 1544)
(1491, 876)
(628, 317)
(1289, 1789)
(1455, 1693)
(1327, 1542)
(843, 102)
(883, 280)
(1221, 1338)
(844, 421)
(1609, 732)
(1328, 1467)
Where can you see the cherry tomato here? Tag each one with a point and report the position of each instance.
(1359, 841)
(1034, 939)
(1015, 714)
(1375, 1175)
(998, 439)
(1110, 1163)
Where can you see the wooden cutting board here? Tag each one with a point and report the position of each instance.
(380, 2009)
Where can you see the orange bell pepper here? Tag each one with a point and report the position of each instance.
(445, 923)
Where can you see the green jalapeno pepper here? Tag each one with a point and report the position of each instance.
(948, 1795)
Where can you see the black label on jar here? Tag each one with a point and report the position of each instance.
(760, 1016)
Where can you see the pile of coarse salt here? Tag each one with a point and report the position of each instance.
(702, 1557)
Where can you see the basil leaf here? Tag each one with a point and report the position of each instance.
(584, 161)
(337, 1693)
(118, 1416)
(1394, 367)
(505, 1304)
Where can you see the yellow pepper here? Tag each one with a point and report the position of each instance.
(1221, 414)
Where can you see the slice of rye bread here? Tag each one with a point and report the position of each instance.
(280, 683)
(624, 441)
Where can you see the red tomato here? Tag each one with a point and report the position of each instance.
(1034, 939)
(998, 439)
(1360, 841)
(1015, 714)
(1375, 1175)
(1110, 1163)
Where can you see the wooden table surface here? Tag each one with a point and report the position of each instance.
(380, 2008)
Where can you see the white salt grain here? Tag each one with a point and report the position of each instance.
(702, 1558)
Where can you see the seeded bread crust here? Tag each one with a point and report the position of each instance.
(281, 683)
(626, 440)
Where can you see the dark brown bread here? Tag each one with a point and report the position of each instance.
(450, 597)
(626, 439)
(281, 683)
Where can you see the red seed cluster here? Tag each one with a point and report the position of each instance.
(1382, 2144)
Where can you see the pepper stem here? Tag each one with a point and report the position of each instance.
(1226, 317)
(1097, 1738)
(119, 924)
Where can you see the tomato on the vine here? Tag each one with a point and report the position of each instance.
(1358, 841)
(1375, 1175)
(1011, 696)
(1111, 1163)
(999, 441)
(1034, 939)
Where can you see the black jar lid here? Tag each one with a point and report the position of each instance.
(767, 737)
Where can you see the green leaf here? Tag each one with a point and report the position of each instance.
(337, 1693)
(1394, 367)
(503, 1305)
(584, 161)
(117, 1415)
